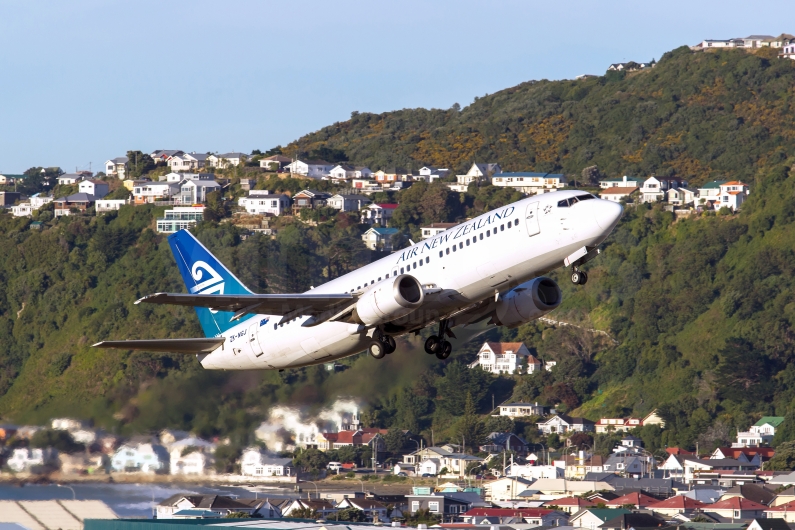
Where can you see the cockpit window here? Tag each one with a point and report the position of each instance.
(563, 204)
(585, 197)
(569, 202)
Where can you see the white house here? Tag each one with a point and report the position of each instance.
(224, 160)
(476, 173)
(70, 178)
(379, 238)
(505, 489)
(434, 229)
(164, 155)
(275, 162)
(761, 432)
(531, 183)
(373, 510)
(732, 195)
(787, 51)
(378, 213)
(315, 169)
(23, 209)
(348, 203)
(188, 161)
(521, 410)
(37, 200)
(262, 202)
(623, 182)
(561, 423)
(28, 459)
(617, 194)
(506, 358)
(535, 472)
(195, 191)
(432, 466)
(655, 188)
(97, 188)
(430, 173)
(140, 457)
(710, 191)
(179, 218)
(109, 205)
(179, 177)
(191, 456)
(254, 462)
(148, 192)
(67, 424)
(681, 196)
(366, 185)
(117, 167)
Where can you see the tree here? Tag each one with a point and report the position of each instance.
(57, 439)
(238, 515)
(303, 513)
(138, 164)
(226, 457)
(470, 427)
(786, 431)
(784, 459)
(395, 440)
(311, 460)
(353, 515)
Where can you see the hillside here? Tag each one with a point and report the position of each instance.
(701, 308)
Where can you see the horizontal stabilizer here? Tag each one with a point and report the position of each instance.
(267, 304)
(165, 345)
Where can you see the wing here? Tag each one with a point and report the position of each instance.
(165, 345)
(286, 305)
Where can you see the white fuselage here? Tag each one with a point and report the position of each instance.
(471, 262)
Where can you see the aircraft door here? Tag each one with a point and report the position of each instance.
(253, 343)
(531, 219)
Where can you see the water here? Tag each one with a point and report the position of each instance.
(128, 499)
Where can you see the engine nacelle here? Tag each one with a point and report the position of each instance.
(388, 300)
(527, 302)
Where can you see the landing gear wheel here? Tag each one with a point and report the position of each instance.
(432, 345)
(377, 349)
(389, 344)
(576, 278)
(445, 351)
(583, 278)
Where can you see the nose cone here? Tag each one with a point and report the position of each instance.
(608, 214)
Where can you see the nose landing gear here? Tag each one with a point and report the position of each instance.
(578, 277)
(437, 345)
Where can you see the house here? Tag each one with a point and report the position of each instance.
(348, 203)
(680, 196)
(192, 456)
(784, 497)
(82, 463)
(275, 162)
(526, 516)
(617, 194)
(179, 218)
(559, 487)
(23, 209)
(374, 510)
(162, 156)
(262, 202)
(388, 176)
(77, 202)
(7, 431)
(505, 489)
(434, 229)
(179, 177)
(9, 198)
(761, 432)
(732, 195)
(504, 441)
(530, 183)
(334, 440)
(623, 182)
(787, 52)
(570, 505)
(506, 358)
(736, 508)
(636, 499)
(710, 191)
(140, 457)
(315, 169)
(224, 160)
(342, 172)
(146, 192)
(431, 173)
(771, 522)
(754, 455)
(254, 462)
(37, 200)
(117, 167)
(365, 185)
(442, 504)
(760, 493)
(32, 460)
(188, 161)
(595, 517)
(560, 423)
(617, 424)
(534, 472)
(677, 505)
(655, 188)
(712, 467)
(7, 178)
(785, 511)
(68, 179)
(310, 199)
(323, 508)
(577, 466)
(378, 213)
(477, 173)
(455, 462)
(109, 205)
(97, 188)
(521, 410)
(195, 191)
(217, 505)
(633, 520)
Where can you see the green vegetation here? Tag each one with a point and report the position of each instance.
(699, 310)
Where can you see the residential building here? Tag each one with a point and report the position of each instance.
(97, 188)
(188, 161)
(736, 508)
(275, 162)
(225, 160)
(32, 460)
(78, 202)
(162, 156)
(570, 505)
(373, 510)
(378, 213)
(68, 179)
(680, 196)
(445, 505)
(633, 520)
(192, 456)
(530, 183)
(504, 441)
(560, 487)
(335, 440)
(787, 52)
(754, 455)
(505, 489)
(506, 358)
(216, 506)
(785, 511)
(561, 423)
(310, 199)
(117, 167)
(386, 177)
(577, 466)
(732, 195)
(477, 173)
(430, 173)
(623, 182)
(147, 192)
(254, 462)
(140, 457)
(627, 465)
(342, 172)
(348, 203)
(434, 229)
(109, 205)
(455, 462)
(37, 200)
(637, 499)
(761, 493)
(625, 424)
(179, 218)
(365, 185)
(23, 209)
(323, 507)
(677, 505)
(594, 517)
(531, 517)
(262, 202)
(9, 198)
(617, 194)
(315, 169)
(8, 179)
(655, 188)
(693, 468)
(195, 191)
(82, 463)
(534, 472)
(760, 433)
(179, 177)
(521, 410)
(710, 191)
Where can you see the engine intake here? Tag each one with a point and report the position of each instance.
(388, 300)
(527, 302)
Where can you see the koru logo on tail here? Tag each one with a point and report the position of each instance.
(212, 285)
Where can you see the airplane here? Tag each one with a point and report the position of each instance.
(490, 267)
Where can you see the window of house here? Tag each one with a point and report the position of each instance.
(433, 506)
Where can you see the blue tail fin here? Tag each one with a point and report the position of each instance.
(204, 274)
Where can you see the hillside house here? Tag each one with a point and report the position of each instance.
(373, 510)
(736, 508)
(179, 177)
(145, 192)
(623, 182)
(217, 505)
(561, 423)
(188, 161)
(192, 456)
(434, 229)
(732, 195)
(109, 205)
(680, 196)
(348, 203)
(476, 173)
(97, 188)
(386, 177)
(140, 457)
(315, 169)
(530, 183)
(617, 194)
(346, 172)
(787, 52)
(69, 179)
(195, 191)
(23, 209)
(310, 199)
(522, 410)
(117, 167)
(505, 488)
(162, 156)
(37, 200)
(335, 440)
(455, 462)
(753, 455)
(254, 462)
(179, 218)
(275, 162)
(431, 173)
(506, 358)
(677, 505)
(440, 504)
(760, 433)
(77, 202)
(324, 507)
(654, 189)
(378, 213)
(595, 517)
(262, 202)
(504, 441)
(225, 160)
(710, 191)
(32, 460)
(625, 424)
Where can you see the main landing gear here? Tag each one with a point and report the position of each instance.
(437, 345)
(578, 277)
(382, 345)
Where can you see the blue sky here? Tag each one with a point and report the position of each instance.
(84, 81)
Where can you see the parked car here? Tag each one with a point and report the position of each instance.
(334, 466)
(402, 474)
(426, 475)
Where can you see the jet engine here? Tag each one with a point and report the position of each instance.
(527, 302)
(388, 300)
